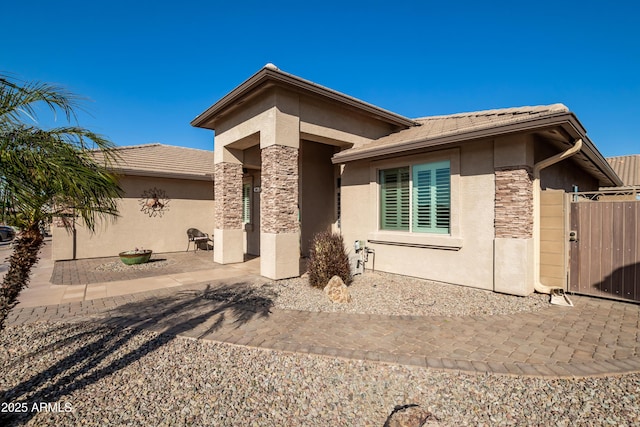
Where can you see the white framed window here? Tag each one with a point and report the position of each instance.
(416, 198)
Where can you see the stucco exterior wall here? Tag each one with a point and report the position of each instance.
(563, 175)
(321, 121)
(317, 191)
(191, 204)
(315, 120)
(266, 134)
(464, 257)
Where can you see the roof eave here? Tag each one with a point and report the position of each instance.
(558, 119)
(598, 159)
(592, 152)
(163, 174)
(384, 150)
(278, 77)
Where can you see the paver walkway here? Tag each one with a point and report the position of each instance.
(595, 337)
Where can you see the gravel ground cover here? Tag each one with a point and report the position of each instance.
(390, 294)
(105, 376)
(108, 377)
(120, 266)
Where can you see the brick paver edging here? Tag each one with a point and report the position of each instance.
(594, 338)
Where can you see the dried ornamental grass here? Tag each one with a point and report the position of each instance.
(327, 258)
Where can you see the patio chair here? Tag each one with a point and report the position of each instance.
(199, 240)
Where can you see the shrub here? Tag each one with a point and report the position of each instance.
(328, 258)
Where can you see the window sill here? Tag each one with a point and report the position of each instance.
(416, 240)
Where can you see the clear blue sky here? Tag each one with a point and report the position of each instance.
(150, 67)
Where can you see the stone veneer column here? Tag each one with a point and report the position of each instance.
(514, 203)
(228, 233)
(279, 224)
(513, 230)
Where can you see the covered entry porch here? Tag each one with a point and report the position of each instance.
(275, 184)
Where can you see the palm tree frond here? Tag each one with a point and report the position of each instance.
(17, 100)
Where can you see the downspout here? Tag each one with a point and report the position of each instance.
(537, 285)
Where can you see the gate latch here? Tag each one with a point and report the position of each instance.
(573, 236)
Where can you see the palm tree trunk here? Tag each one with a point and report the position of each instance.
(23, 258)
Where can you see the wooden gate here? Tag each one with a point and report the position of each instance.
(605, 249)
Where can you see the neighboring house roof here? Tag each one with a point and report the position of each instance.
(160, 160)
(455, 128)
(271, 75)
(627, 168)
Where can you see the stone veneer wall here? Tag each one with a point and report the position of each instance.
(228, 195)
(514, 203)
(279, 198)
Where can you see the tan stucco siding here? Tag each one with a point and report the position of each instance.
(190, 205)
(328, 123)
(278, 113)
(563, 175)
(317, 191)
(464, 257)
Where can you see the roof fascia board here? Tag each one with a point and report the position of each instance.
(592, 152)
(558, 119)
(230, 98)
(158, 174)
(285, 79)
(522, 126)
(598, 159)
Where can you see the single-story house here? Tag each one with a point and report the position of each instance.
(167, 190)
(453, 198)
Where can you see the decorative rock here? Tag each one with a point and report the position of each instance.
(408, 416)
(337, 291)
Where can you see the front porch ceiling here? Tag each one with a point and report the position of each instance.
(246, 142)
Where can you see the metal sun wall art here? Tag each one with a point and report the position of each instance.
(154, 202)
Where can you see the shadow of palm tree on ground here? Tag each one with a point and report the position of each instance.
(195, 313)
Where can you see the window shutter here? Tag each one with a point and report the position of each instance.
(394, 207)
(443, 197)
(431, 197)
(422, 198)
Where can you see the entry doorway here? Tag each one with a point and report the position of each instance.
(251, 211)
(317, 196)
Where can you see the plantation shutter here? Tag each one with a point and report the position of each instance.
(431, 197)
(394, 206)
(246, 203)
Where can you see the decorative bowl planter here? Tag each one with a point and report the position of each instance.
(135, 257)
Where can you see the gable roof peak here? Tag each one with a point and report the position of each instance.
(272, 75)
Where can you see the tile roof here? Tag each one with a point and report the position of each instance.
(164, 161)
(627, 168)
(441, 126)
